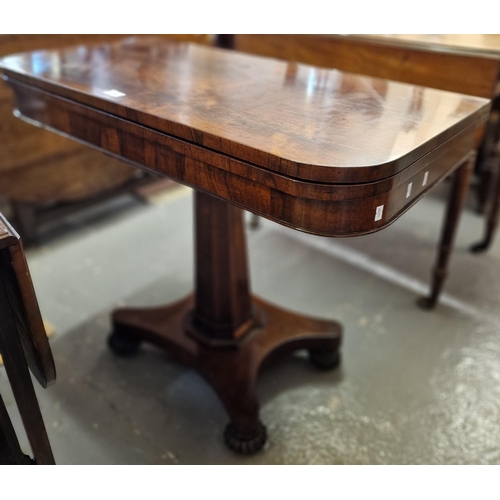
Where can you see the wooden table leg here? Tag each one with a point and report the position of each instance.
(20, 381)
(494, 209)
(456, 203)
(221, 330)
(254, 221)
(10, 451)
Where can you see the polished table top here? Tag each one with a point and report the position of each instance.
(289, 127)
(301, 121)
(466, 64)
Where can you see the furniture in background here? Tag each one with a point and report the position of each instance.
(467, 64)
(44, 176)
(318, 150)
(23, 345)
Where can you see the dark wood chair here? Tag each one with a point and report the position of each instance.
(23, 345)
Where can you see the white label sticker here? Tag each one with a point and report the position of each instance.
(378, 212)
(426, 176)
(113, 93)
(408, 189)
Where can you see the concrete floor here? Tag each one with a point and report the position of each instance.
(415, 387)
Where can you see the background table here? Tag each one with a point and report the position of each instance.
(44, 176)
(321, 151)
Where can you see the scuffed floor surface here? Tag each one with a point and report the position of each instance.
(415, 387)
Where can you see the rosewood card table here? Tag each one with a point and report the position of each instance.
(468, 64)
(321, 151)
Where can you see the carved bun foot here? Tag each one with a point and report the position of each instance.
(426, 303)
(123, 345)
(245, 443)
(232, 372)
(325, 359)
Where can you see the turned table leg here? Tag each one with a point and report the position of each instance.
(20, 381)
(10, 451)
(494, 209)
(221, 330)
(456, 203)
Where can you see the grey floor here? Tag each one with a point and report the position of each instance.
(415, 387)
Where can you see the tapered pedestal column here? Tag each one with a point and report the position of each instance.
(221, 330)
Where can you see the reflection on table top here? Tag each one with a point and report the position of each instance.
(296, 119)
(394, 57)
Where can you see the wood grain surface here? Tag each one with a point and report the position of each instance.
(16, 280)
(305, 122)
(454, 42)
(38, 167)
(395, 57)
(318, 150)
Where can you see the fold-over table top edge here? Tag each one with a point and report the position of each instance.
(473, 109)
